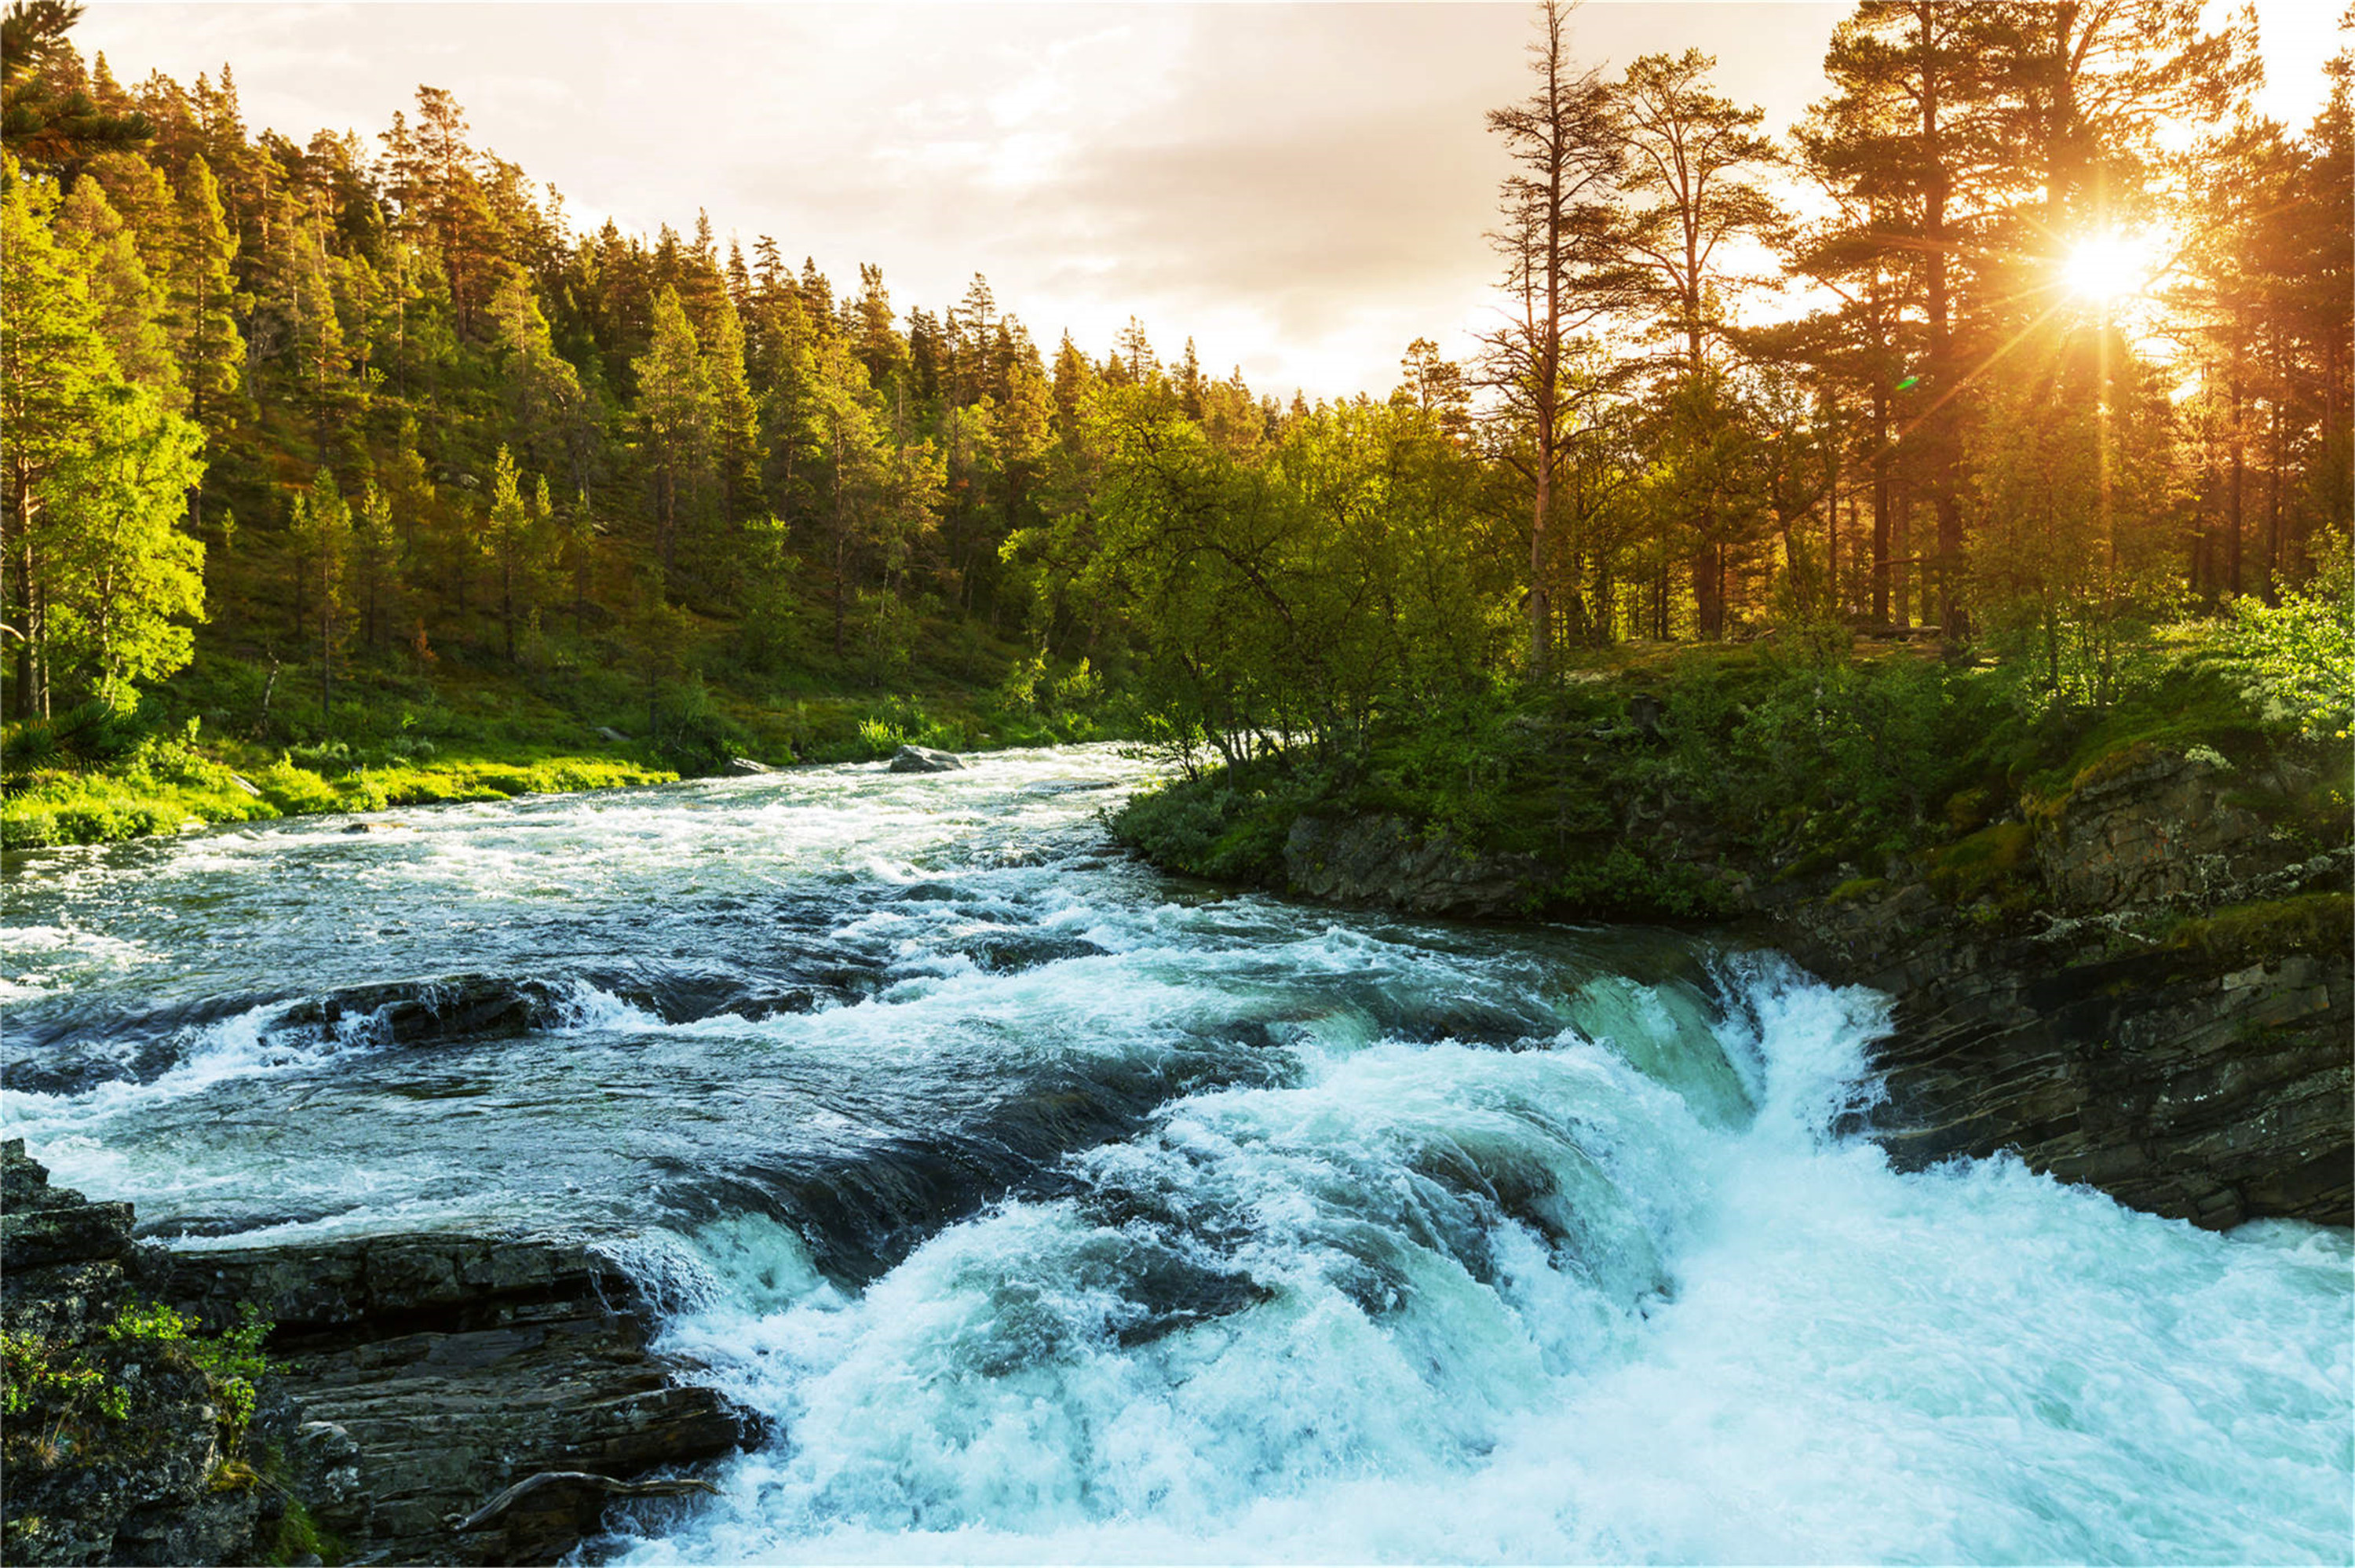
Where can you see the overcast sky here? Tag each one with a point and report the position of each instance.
(1300, 188)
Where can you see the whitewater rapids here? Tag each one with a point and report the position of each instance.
(1055, 1211)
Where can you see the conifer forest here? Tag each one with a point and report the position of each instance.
(299, 430)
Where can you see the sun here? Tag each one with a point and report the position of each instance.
(2108, 267)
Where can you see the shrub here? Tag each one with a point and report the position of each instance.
(2292, 661)
(231, 1362)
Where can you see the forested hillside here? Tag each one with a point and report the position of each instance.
(350, 448)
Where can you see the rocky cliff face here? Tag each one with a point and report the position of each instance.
(2205, 1084)
(1385, 860)
(442, 1398)
(2168, 1017)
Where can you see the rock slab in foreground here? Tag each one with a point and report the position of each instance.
(85, 1488)
(423, 1376)
(433, 1371)
(924, 760)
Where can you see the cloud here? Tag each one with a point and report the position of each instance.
(1301, 187)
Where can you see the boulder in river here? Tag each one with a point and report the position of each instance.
(924, 760)
(745, 767)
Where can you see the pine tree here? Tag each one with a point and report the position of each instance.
(547, 408)
(54, 364)
(1917, 130)
(873, 337)
(319, 530)
(211, 349)
(675, 403)
(376, 552)
(736, 417)
(510, 538)
(1564, 273)
(131, 304)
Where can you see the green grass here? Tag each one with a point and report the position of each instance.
(137, 801)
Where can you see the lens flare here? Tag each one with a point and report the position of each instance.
(2108, 267)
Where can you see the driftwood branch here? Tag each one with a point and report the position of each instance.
(489, 1513)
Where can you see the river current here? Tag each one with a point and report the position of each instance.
(1054, 1210)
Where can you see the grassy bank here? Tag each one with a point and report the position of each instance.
(228, 742)
(1677, 784)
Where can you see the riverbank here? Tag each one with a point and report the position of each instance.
(98, 777)
(437, 1397)
(2118, 940)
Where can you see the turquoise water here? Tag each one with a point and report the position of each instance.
(1055, 1211)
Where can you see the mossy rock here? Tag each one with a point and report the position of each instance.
(2243, 933)
(1989, 861)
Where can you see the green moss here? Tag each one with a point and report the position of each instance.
(2243, 933)
(1988, 861)
(297, 1534)
(1856, 889)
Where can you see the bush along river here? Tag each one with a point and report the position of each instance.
(847, 1165)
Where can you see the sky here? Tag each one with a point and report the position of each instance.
(1302, 189)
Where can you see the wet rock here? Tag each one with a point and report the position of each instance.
(1385, 860)
(437, 1011)
(745, 767)
(546, 1515)
(2203, 1080)
(2169, 1084)
(924, 760)
(421, 1376)
(80, 1483)
(433, 1371)
(46, 1227)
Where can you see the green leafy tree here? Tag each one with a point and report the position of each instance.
(126, 582)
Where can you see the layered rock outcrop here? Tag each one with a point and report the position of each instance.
(1385, 860)
(2203, 1083)
(438, 1398)
(2161, 1010)
(434, 1371)
(111, 1447)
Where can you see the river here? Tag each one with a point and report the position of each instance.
(1055, 1210)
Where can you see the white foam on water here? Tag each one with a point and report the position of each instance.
(1846, 1363)
(1599, 1284)
(250, 1044)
